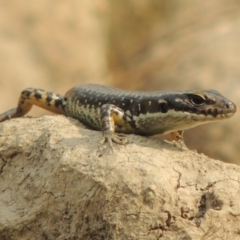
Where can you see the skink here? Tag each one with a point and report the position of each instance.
(114, 111)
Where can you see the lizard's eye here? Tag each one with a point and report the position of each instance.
(196, 99)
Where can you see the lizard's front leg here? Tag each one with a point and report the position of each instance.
(177, 136)
(110, 116)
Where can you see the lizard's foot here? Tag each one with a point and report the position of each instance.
(118, 138)
(177, 138)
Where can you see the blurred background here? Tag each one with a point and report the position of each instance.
(130, 44)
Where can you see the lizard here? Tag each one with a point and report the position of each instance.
(117, 112)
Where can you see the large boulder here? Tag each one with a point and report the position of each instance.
(57, 184)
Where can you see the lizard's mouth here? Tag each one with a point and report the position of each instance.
(227, 110)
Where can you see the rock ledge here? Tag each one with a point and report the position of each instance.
(55, 184)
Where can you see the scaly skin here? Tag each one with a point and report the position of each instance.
(114, 111)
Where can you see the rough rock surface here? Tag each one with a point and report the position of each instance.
(56, 184)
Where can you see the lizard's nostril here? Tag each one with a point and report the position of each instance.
(231, 106)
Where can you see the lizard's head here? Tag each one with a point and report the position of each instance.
(208, 104)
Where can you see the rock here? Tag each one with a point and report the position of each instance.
(57, 184)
